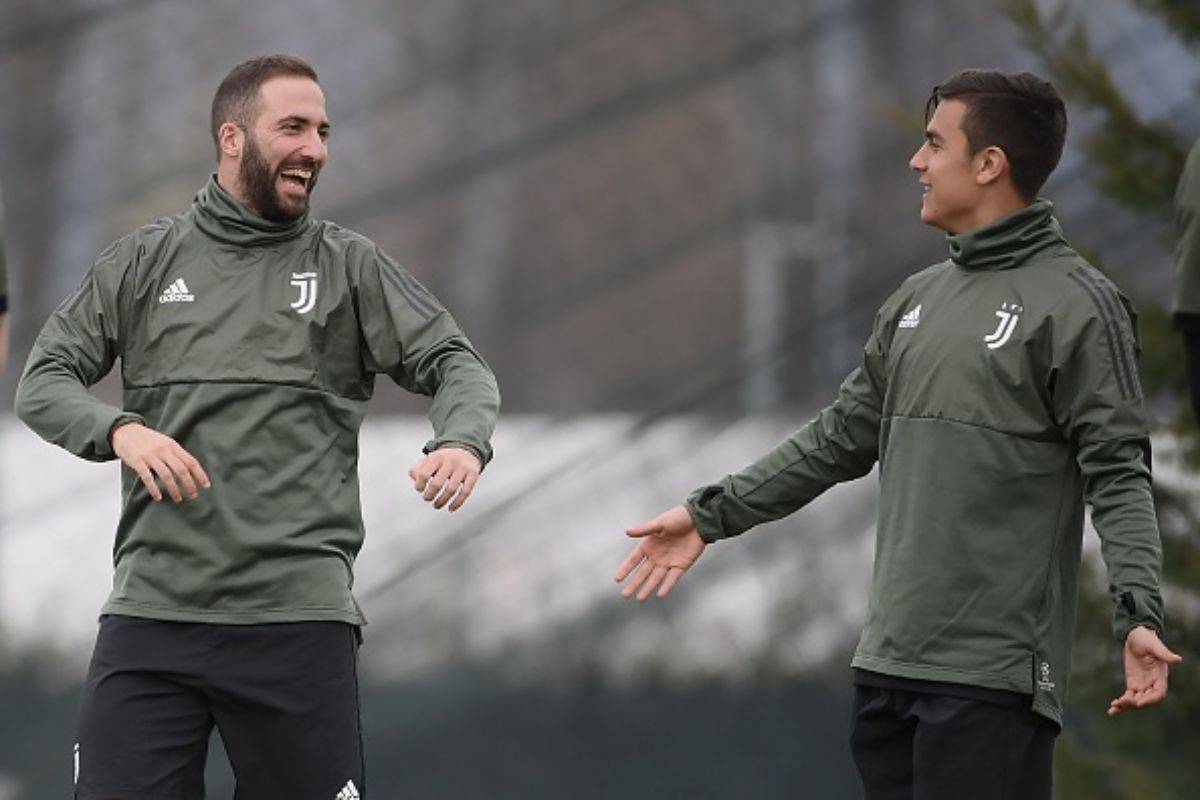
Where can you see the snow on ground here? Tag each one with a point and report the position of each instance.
(522, 575)
(525, 567)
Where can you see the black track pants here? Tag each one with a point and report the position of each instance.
(284, 698)
(920, 746)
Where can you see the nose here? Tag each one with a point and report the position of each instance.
(315, 148)
(917, 162)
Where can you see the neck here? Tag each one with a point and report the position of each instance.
(221, 216)
(227, 177)
(1008, 241)
(991, 209)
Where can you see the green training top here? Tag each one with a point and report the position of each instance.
(1186, 295)
(998, 389)
(255, 345)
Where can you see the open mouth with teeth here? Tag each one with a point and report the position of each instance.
(298, 179)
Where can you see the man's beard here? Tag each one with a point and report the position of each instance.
(258, 182)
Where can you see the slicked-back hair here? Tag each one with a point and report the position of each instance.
(1020, 113)
(237, 98)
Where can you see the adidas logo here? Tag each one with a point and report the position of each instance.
(912, 319)
(348, 792)
(177, 292)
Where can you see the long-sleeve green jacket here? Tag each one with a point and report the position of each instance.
(1185, 300)
(998, 391)
(255, 345)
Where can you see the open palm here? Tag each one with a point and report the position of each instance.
(669, 545)
(1146, 664)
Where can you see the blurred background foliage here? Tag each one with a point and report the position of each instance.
(1136, 163)
(667, 224)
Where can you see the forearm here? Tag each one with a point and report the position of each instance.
(466, 403)
(52, 399)
(840, 444)
(1117, 486)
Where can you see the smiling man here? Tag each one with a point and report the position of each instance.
(250, 336)
(998, 391)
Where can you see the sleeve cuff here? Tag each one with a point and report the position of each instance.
(104, 450)
(700, 505)
(484, 456)
(1131, 612)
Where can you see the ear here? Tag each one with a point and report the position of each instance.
(231, 139)
(991, 164)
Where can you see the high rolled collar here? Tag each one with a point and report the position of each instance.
(1009, 241)
(223, 218)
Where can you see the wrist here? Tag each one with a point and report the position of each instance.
(466, 448)
(1150, 628)
(120, 423)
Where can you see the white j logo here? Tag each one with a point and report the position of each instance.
(306, 282)
(1008, 321)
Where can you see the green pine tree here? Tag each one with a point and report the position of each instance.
(1149, 753)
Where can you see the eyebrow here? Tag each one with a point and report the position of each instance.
(933, 136)
(299, 118)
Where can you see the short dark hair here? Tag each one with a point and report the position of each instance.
(1020, 113)
(237, 98)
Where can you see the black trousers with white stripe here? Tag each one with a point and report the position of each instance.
(284, 698)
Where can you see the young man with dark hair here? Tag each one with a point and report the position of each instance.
(1185, 304)
(998, 391)
(250, 337)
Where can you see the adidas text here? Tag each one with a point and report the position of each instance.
(911, 319)
(177, 292)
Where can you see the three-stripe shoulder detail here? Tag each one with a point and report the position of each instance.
(416, 294)
(1117, 326)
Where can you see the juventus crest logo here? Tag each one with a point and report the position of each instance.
(1009, 313)
(306, 282)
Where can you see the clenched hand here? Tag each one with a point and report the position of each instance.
(152, 454)
(449, 473)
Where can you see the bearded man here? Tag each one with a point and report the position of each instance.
(249, 336)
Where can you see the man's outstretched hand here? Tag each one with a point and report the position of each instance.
(152, 454)
(1146, 663)
(669, 545)
(449, 473)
